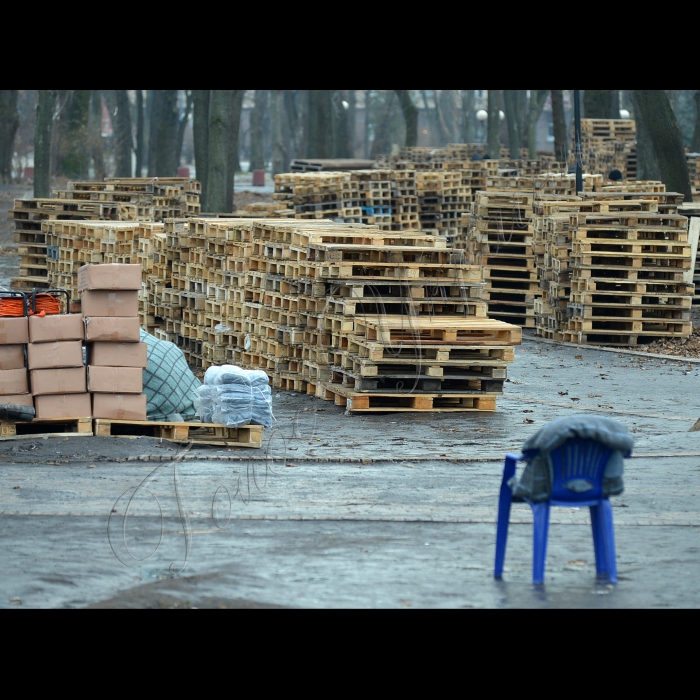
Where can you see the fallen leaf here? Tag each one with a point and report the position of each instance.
(291, 464)
(443, 455)
(527, 410)
(577, 562)
(91, 466)
(16, 487)
(574, 398)
(594, 396)
(578, 357)
(528, 420)
(563, 393)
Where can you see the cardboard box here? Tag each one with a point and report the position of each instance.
(118, 354)
(11, 356)
(63, 406)
(112, 329)
(44, 329)
(13, 381)
(115, 380)
(18, 399)
(14, 331)
(119, 406)
(57, 354)
(101, 303)
(109, 276)
(71, 380)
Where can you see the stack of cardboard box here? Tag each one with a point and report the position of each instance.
(116, 358)
(56, 367)
(14, 384)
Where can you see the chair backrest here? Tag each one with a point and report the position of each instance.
(578, 467)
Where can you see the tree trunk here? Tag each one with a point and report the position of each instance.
(695, 141)
(614, 108)
(647, 164)
(200, 136)
(233, 165)
(559, 122)
(292, 124)
(512, 110)
(220, 115)
(468, 103)
(410, 117)
(140, 128)
(279, 154)
(352, 118)
(537, 100)
(367, 122)
(382, 142)
(444, 129)
(493, 138)
(9, 123)
(319, 126)
(165, 146)
(654, 109)
(155, 102)
(341, 123)
(98, 158)
(123, 144)
(42, 143)
(74, 151)
(257, 123)
(598, 104)
(181, 126)
(148, 159)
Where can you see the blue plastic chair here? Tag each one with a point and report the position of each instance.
(576, 459)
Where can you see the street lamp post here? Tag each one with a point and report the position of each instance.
(578, 153)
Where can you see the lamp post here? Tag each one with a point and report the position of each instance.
(481, 116)
(578, 153)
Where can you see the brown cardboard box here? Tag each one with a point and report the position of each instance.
(63, 406)
(112, 329)
(103, 303)
(117, 354)
(57, 354)
(119, 406)
(13, 381)
(18, 399)
(69, 380)
(115, 380)
(11, 356)
(109, 276)
(14, 331)
(44, 329)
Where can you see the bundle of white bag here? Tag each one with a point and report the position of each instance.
(233, 397)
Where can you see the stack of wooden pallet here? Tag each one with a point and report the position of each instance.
(501, 240)
(375, 190)
(347, 312)
(553, 226)
(608, 144)
(442, 200)
(631, 273)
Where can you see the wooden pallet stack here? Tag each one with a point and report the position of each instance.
(442, 200)
(553, 226)
(631, 273)
(608, 144)
(346, 312)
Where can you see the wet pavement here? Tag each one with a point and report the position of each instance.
(383, 510)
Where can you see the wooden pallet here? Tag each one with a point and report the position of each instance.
(60, 427)
(197, 433)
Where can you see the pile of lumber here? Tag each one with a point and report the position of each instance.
(442, 200)
(628, 260)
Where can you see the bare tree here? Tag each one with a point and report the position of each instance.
(535, 107)
(319, 124)
(233, 165)
(695, 141)
(122, 134)
(410, 116)
(200, 136)
(74, 146)
(653, 108)
(220, 117)
(9, 123)
(98, 159)
(468, 104)
(352, 118)
(601, 104)
(341, 125)
(280, 156)
(42, 143)
(257, 122)
(493, 137)
(140, 133)
(559, 121)
(511, 102)
(182, 125)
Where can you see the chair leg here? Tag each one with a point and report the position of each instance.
(601, 561)
(504, 502)
(540, 513)
(609, 538)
